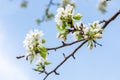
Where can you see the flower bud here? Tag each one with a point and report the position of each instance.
(77, 16)
(90, 46)
(98, 35)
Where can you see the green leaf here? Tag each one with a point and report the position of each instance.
(100, 31)
(47, 63)
(64, 25)
(90, 44)
(79, 37)
(43, 54)
(59, 27)
(43, 41)
(32, 58)
(50, 16)
(40, 68)
(43, 49)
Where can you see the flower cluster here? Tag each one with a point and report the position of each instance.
(33, 42)
(65, 23)
(63, 16)
(34, 47)
(64, 19)
(90, 33)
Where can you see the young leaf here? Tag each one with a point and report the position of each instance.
(77, 16)
(47, 63)
(32, 58)
(43, 41)
(79, 37)
(43, 54)
(43, 49)
(40, 68)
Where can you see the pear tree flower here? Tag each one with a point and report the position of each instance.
(98, 35)
(34, 48)
(34, 44)
(64, 15)
(65, 20)
(33, 40)
(62, 35)
(95, 32)
(89, 32)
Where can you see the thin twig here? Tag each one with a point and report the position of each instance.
(19, 57)
(64, 45)
(95, 42)
(111, 19)
(67, 57)
(47, 8)
(106, 22)
(55, 48)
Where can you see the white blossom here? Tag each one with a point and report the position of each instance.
(60, 10)
(85, 37)
(91, 32)
(32, 40)
(64, 13)
(61, 36)
(69, 9)
(96, 30)
(85, 29)
(98, 35)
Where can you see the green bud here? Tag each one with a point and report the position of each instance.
(38, 21)
(24, 4)
(43, 41)
(77, 16)
(90, 45)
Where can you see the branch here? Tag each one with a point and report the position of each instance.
(64, 45)
(47, 9)
(19, 57)
(66, 58)
(106, 22)
(111, 19)
(55, 48)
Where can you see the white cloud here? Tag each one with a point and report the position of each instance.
(9, 70)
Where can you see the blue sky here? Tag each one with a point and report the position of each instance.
(101, 63)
